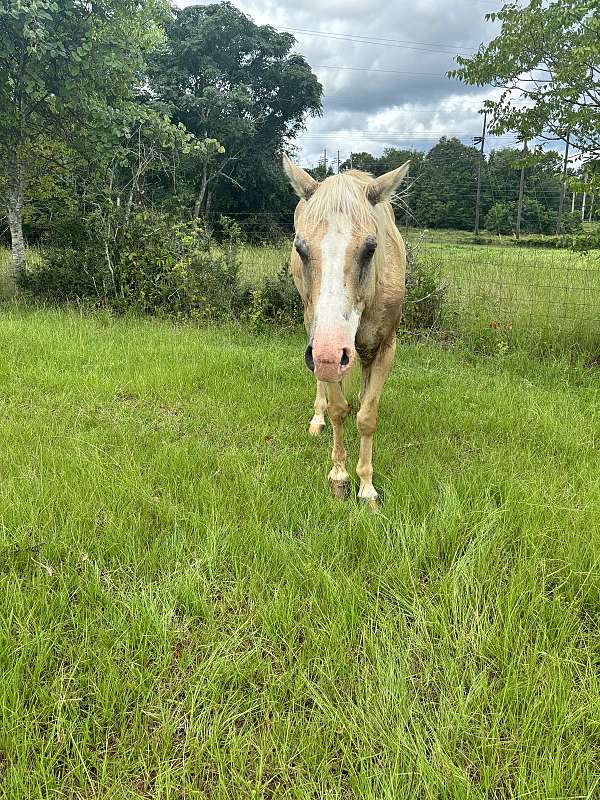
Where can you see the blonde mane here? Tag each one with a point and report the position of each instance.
(343, 195)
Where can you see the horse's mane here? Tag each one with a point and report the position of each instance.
(343, 195)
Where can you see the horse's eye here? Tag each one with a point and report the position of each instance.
(301, 247)
(366, 254)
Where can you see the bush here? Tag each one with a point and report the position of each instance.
(279, 299)
(499, 220)
(536, 218)
(66, 274)
(425, 291)
(154, 264)
(571, 222)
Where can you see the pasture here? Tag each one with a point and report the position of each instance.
(186, 613)
(521, 288)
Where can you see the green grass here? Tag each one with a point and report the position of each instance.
(186, 613)
(521, 289)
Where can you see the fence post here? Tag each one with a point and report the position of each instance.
(521, 189)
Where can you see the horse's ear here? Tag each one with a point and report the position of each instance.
(301, 181)
(385, 187)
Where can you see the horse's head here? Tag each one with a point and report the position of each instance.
(336, 241)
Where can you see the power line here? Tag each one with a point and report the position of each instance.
(385, 71)
(427, 47)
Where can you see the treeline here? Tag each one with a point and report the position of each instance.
(142, 106)
(144, 113)
(441, 191)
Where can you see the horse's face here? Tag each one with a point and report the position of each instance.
(336, 241)
(336, 266)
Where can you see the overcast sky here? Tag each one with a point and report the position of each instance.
(392, 91)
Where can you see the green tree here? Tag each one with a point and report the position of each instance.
(362, 161)
(447, 191)
(66, 68)
(225, 77)
(542, 177)
(499, 219)
(548, 55)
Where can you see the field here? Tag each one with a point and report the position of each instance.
(524, 288)
(532, 290)
(186, 613)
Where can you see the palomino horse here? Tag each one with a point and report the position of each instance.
(349, 265)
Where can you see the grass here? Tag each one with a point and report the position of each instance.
(516, 289)
(532, 289)
(186, 613)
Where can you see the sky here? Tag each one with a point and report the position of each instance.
(382, 66)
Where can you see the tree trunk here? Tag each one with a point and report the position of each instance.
(15, 214)
(200, 197)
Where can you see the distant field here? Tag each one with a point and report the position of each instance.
(518, 288)
(185, 612)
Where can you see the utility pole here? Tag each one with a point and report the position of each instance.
(583, 203)
(521, 189)
(351, 159)
(592, 206)
(338, 162)
(479, 140)
(325, 161)
(563, 187)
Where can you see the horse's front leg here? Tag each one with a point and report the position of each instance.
(338, 409)
(366, 419)
(317, 423)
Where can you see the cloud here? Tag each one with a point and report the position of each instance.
(394, 90)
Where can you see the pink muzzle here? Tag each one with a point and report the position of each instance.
(330, 356)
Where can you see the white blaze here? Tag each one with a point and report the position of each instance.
(333, 310)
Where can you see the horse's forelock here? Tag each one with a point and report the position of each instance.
(342, 195)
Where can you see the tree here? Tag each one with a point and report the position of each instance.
(546, 60)
(362, 161)
(65, 69)
(447, 186)
(542, 183)
(225, 77)
(499, 219)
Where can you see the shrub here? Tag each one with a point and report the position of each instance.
(425, 291)
(499, 219)
(280, 299)
(571, 222)
(63, 274)
(153, 265)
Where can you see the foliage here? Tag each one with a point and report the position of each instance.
(425, 290)
(546, 60)
(66, 71)
(223, 76)
(571, 222)
(154, 265)
(277, 299)
(446, 194)
(499, 219)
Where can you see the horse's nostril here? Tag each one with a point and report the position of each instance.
(345, 359)
(308, 358)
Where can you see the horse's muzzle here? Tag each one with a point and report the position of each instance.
(329, 361)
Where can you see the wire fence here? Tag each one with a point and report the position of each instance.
(495, 283)
(488, 282)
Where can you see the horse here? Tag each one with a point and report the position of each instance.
(348, 263)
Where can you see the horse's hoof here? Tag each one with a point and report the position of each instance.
(374, 504)
(315, 428)
(339, 489)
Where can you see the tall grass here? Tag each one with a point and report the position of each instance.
(186, 613)
(516, 288)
